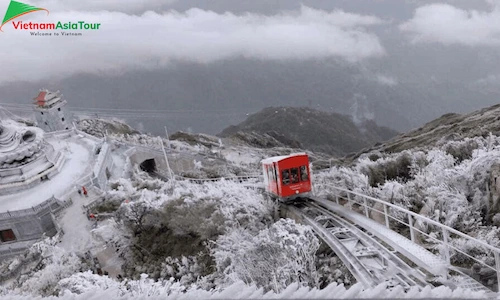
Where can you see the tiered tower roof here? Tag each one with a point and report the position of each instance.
(47, 98)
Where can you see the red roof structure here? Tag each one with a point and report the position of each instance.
(40, 99)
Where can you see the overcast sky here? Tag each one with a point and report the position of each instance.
(402, 62)
(152, 33)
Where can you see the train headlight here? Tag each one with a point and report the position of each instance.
(296, 192)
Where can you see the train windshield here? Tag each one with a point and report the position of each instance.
(295, 175)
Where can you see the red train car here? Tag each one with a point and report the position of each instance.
(287, 178)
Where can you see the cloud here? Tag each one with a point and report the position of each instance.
(153, 40)
(100, 5)
(447, 24)
(386, 80)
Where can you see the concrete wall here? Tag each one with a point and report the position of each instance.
(29, 226)
(178, 162)
(104, 162)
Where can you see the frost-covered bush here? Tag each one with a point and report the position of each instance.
(86, 283)
(274, 258)
(178, 220)
(202, 218)
(394, 167)
(342, 177)
(331, 268)
(95, 287)
(55, 265)
(185, 269)
(461, 150)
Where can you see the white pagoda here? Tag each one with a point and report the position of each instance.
(26, 159)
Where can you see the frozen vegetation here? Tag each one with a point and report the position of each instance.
(453, 183)
(184, 240)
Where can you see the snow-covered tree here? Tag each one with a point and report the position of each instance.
(272, 259)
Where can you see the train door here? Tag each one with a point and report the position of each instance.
(276, 178)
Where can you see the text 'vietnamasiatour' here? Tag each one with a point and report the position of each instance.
(80, 25)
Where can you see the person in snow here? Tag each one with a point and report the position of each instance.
(85, 191)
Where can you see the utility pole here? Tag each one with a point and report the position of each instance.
(166, 159)
(168, 139)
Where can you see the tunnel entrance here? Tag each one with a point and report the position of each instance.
(149, 165)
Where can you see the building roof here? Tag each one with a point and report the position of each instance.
(280, 158)
(46, 98)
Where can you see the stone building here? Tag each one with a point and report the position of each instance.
(21, 228)
(51, 112)
(26, 160)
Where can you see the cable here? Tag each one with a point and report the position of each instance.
(26, 107)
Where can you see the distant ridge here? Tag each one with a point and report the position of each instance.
(448, 127)
(310, 129)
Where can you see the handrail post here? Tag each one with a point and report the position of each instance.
(349, 200)
(497, 267)
(337, 199)
(366, 207)
(386, 214)
(410, 223)
(446, 248)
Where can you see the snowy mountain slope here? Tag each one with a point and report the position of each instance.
(449, 127)
(100, 127)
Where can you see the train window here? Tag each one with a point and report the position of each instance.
(286, 176)
(295, 175)
(303, 173)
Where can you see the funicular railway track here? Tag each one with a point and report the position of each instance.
(369, 261)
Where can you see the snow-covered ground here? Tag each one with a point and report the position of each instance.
(76, 166)
(246, 228)
(76, 226)
(241, 156)
(92, 287)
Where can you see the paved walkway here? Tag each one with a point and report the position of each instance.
(78, 237)
(76, 226)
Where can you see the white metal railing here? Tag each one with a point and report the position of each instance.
(232, 178)
(58, 133)
(366, 203)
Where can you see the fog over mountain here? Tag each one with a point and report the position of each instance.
(205, 65)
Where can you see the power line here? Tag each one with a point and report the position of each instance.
(28, 107)
(140, 114)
